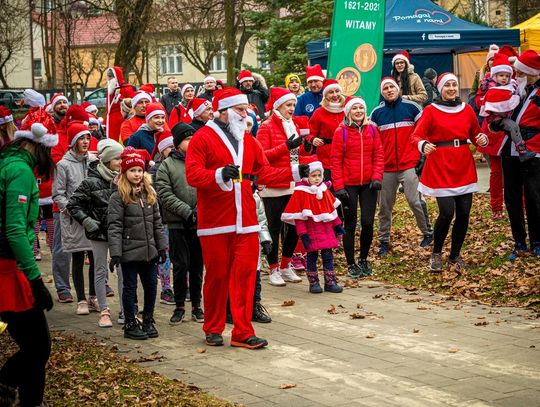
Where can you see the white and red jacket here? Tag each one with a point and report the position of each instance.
(323, 124)
(228, 207)
(272, 137)
(113, 116)
(357, 156)
(449, 170)
(395, 122)
(528, 120)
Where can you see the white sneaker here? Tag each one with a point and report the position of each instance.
(93, 304)
(82, 308)
(276, 279)
(105, 319)
(289, 275)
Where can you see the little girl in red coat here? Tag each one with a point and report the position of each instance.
(312, 209)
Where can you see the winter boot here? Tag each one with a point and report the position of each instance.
(314, 285)
(524, 152)
(148, 325)
(330, 283)
(133, 329)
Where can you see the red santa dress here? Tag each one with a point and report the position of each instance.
(113, 116)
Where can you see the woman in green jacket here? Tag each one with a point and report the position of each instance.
(23, 295)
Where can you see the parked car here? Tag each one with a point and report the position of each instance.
(97, 97)
(11, 98)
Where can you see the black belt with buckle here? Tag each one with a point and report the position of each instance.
(451, 143)
(249, 177)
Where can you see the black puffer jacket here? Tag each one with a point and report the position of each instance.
(135, 230)
(91, 200)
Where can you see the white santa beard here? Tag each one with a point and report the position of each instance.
(237, 124)
(111, 86)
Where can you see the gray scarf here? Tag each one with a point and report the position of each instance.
(107, 174)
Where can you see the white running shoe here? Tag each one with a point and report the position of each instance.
(105, 319)
(82, 308)
(93, 304)
(276, 279)
(289, 275)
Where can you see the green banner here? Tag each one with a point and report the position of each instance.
(356, 48)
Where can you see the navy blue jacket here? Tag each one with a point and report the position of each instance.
(307, 103)
(143, 139)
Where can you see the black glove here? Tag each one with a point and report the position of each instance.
(342, 195)
(420, 165)
(256, 85)
(293, 142)
(376, 185)
(307, 146)
(42, 296)
(303, 170)
(306, 241)
(266, 247)
(114, 262)
(162, 256)
(339, 231)
(229, 172)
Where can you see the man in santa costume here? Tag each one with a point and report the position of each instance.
(311, 100)
(117, 90)
(524, 177)
(201, 111)
(222, 161)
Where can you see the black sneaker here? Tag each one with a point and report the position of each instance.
(133, 330)
(365, 269)
(197, 314)
(260, 314)
(353, 271)
(149, 327)
(436, 264)
(426, 241)
(177, 316)
(253, 342)
(384, 248)
(214, 340)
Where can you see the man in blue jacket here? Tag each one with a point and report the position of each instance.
(309, 101)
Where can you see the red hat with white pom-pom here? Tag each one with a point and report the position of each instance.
(38, 126)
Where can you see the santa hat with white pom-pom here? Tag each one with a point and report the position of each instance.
(38, 126)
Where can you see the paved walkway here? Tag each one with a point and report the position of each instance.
(404, 349)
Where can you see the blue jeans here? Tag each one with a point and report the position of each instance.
(147, 271)
(60, 260)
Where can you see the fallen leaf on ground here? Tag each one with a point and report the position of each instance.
(415, 330)
(414, 299)
(149, 358)
(356, 315)
(201, 350)
(482, 323)
(285, 386)
(288, 303)
(370, 335)
(453, 350)
(332, 309)
(422, 308)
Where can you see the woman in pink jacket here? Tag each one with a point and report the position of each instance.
(312, 209)
(357, 170)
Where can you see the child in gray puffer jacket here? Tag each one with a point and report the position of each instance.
(136, 241)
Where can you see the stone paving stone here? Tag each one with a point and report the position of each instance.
(332, 362)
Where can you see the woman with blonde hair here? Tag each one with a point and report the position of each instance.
(7, 126)
(137, 241)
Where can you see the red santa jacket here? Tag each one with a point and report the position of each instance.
(113, 116)
(58, 151)
(228, 207)
(130, 126)
(323, 124)
(45, 189)
(272, 137)
(357, 156)
(449, 170)
(180, 114)
(528, 120)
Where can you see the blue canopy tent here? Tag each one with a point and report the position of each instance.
(429, 33)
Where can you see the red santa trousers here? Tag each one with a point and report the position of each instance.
(496, 183)
(230, 260)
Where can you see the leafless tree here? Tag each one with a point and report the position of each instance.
(14, 35)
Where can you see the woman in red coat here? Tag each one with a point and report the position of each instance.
(357, 171)
(325, 121)
(449, 174)
(283, 138)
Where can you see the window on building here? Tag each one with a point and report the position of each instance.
(262, 58)
(171, 60)
(37, 68)
(219, 62)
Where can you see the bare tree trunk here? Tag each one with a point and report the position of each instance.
(133, 18)
(242, 42)
(230, 40)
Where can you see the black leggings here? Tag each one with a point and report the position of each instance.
(367, 198)
(274, 207)
(77, 270)
(461, 205)
(25, 369)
